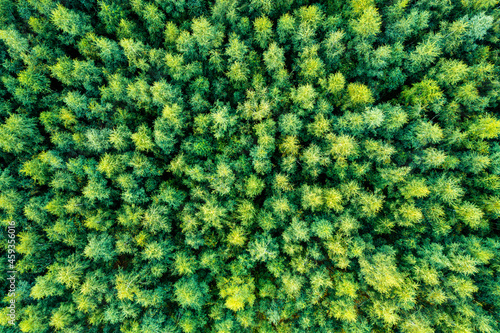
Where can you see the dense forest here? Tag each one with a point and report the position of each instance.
(178, 166)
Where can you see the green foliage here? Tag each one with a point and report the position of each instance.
(189, 293)
(368, 23)
(258, 166)
(19, 134)
(69, 21)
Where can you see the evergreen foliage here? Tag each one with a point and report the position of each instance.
(251, 166)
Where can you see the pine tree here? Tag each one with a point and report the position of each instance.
(19, 134)
(69, 21)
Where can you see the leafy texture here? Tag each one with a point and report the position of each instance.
(251, 166)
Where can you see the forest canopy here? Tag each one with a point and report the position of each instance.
(178, 166)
